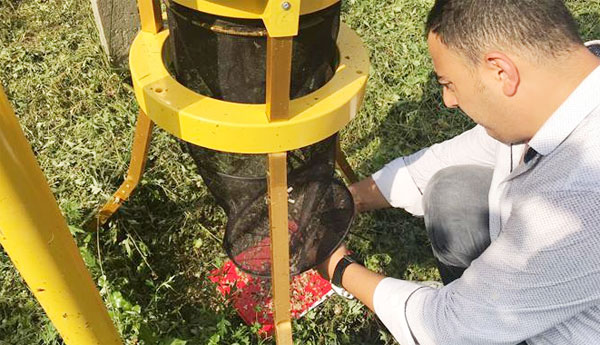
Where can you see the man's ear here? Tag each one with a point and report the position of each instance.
(504, 71)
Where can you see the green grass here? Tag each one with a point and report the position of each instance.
(152, 261)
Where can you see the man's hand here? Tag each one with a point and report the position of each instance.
(326, 268)
(357, 280)
(367, 196)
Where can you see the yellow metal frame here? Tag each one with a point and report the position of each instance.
(244, 128)
(280, 247)
(279, 21)
(36, 238)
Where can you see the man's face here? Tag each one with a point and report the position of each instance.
(465, 87)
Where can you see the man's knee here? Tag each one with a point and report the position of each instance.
(456, 213)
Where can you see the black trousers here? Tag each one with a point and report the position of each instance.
(457, 218)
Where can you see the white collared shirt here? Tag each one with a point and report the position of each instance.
(540, 278)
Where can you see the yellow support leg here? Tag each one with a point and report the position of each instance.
(150, 16)
(279, 71)
(342, 164)
(35, 236)
(139, 154)
(280, 249)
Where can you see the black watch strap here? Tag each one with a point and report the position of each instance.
(340, 268)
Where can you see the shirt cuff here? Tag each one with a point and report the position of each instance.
(398, 187)
(389, 301)
(415, 314)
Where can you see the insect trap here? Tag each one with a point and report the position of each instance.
(257, 90)
(225, 58)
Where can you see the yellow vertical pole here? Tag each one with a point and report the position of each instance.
(280, 248)
(282, 20)
(150, 16)
(282, 24)
(36, 238)
(279, 75)
(278, 83)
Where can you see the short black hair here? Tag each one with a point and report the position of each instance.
(542, 28)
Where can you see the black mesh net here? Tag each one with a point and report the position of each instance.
(320, 207)
(226, 59)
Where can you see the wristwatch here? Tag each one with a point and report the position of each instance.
(336, 280)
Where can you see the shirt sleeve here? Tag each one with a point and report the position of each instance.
(403, 181)
(389, 302)
(542, 271)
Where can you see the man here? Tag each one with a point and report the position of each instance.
(524, 266)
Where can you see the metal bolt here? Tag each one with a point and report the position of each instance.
(286, 5)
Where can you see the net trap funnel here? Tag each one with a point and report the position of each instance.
(257, 91)
(225, 58)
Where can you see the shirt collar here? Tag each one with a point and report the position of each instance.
(569, 115)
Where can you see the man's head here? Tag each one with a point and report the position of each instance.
(493, 57)
(537, 29)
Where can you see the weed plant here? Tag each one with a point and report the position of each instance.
(151, 262)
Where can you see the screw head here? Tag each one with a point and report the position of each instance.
(286, 5)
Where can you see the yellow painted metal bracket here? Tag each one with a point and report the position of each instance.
(244, 128)
(35, 236)
(280, 19)
(280, 247)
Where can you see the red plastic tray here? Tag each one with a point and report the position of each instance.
(251, 296)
